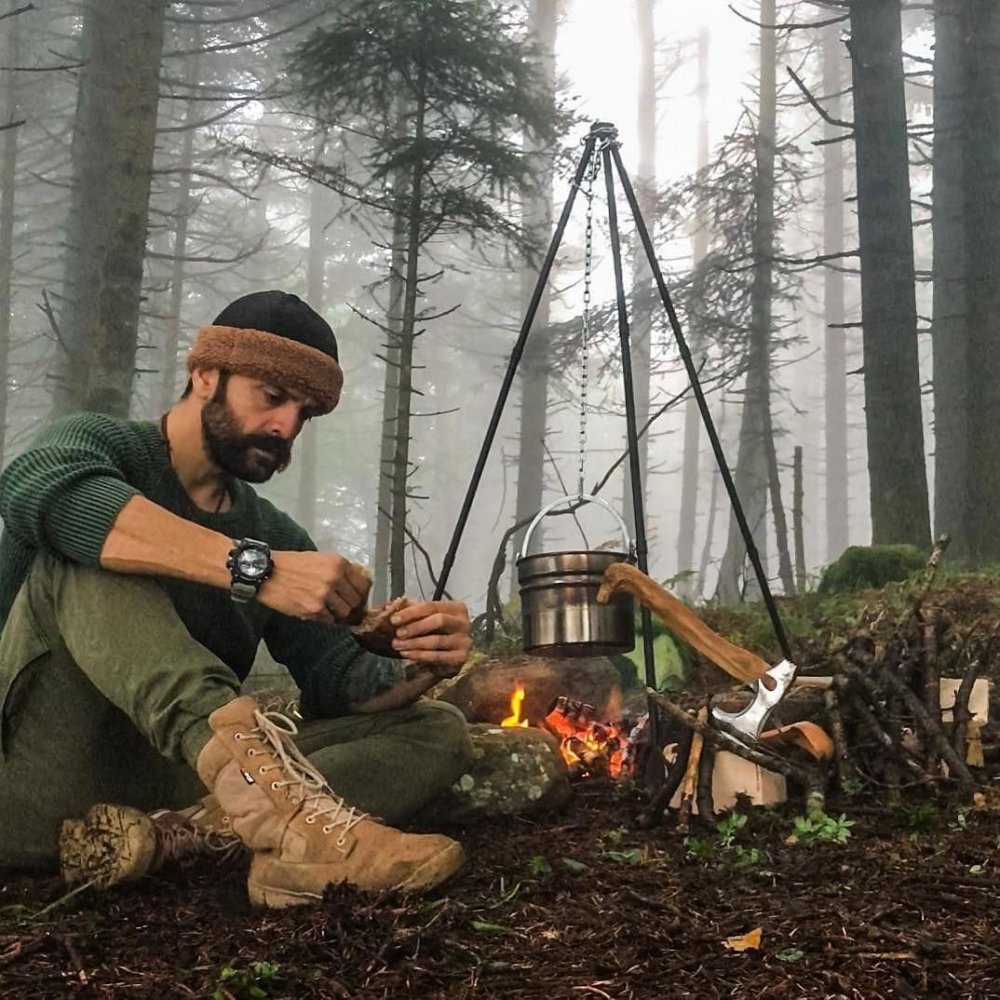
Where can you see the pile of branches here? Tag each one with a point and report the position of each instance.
(878, 695)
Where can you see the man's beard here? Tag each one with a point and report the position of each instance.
(254, 458)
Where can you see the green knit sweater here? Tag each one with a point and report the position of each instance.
(63, 495)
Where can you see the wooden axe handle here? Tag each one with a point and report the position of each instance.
(684, 623)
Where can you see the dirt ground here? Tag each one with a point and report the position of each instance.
(580, 905)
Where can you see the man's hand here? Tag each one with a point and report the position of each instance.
(436, 634)
(316, 586)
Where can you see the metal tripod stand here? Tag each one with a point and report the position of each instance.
(602, 140)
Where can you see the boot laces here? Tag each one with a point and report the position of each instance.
(303, 782)
(180, 837)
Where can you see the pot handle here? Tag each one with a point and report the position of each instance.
(578, 498)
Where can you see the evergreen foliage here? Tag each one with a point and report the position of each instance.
(439, 88)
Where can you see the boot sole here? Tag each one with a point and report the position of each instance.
(111, 844)
(433, 872)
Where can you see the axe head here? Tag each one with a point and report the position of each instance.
(750, 720)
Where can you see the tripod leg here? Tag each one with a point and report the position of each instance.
(706, 415)
(631, 429)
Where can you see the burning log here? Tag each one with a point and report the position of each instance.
(590, 747)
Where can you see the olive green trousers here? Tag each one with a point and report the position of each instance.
(105, 696)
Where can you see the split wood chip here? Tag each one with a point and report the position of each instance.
(744, 942)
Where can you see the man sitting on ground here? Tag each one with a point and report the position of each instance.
(138, 573)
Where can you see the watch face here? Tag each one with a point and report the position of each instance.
(252, 564)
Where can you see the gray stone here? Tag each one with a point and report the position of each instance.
(515, 772)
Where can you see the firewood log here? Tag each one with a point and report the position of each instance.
(685, 624)
(375, 631)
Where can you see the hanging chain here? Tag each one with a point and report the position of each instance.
(588, 268)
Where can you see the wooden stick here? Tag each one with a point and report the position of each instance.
(932, 728)
(682, 621)
(846, 775)
(660, 802)
(691, 776)
(724, 740)
(704, 798)
(960, 714)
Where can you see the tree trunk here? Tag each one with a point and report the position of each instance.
(390, 392)
(834, 347)
(642, 277)
(778, 508)
(534, 367)
(713, 507)
(949, 329)
(407, 339)
(982, 235)
(113, 142)
(305, 502)
(185, 206)
(8, 174)
(751, 475)
(798, 522)
(687, 518)
(896, 465)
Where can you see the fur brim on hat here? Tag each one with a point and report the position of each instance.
(285, 363)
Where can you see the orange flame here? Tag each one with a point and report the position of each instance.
(514, 719)
(587, 743)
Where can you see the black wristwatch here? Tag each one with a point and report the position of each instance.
(249, 565)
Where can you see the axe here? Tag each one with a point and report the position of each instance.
(769, 683)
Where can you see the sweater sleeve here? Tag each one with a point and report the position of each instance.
(331, 670)
(322, 660)
(64, 493)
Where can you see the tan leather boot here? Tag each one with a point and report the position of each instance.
(117, 843)
(302, 834)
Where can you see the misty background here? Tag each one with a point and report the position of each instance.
(400, 166)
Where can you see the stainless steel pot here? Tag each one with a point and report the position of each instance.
(559, 610)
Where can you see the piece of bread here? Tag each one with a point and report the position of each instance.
(375, 631)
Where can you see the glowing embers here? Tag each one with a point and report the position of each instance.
(589, 747)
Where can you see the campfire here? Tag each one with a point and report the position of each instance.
(589, 746)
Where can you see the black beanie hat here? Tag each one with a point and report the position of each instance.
(273, 336)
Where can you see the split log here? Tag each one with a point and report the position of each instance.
(685, 624)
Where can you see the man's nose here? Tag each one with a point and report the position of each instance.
(285, 420)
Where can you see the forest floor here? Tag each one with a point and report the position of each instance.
(578, 905)
(582, 904)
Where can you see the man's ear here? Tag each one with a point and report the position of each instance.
(203, 382)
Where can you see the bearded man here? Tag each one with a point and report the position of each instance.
(138, 574)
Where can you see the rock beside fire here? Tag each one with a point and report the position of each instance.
(515, 772)
(482, 691)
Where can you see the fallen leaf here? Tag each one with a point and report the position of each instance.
(744, 942)
(487, 928)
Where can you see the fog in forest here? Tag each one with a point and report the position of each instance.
(403, 166)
